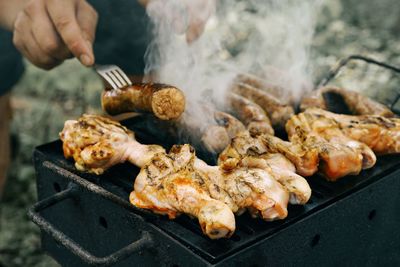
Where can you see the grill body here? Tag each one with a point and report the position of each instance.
(353, 221)
(86, 220)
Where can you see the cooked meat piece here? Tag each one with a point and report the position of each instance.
(232, 125)
(176, 182)
(164, 101)
(168, 185)
(264, 85)
(181, 183)
(339, 156)
(96, 143)
(251, 114)
(278, 112)
(246, 151)
(285, 173)
(329, 130)
(243, 188)
(357, 103)
(314, 99)
(379, 133)
(216, 137)
(258, 191)
(304, 158)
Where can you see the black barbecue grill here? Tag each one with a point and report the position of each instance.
(87, 219)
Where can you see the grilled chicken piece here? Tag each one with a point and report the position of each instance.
(251, 114)
(164, 101)
(252, 189)
(258, 191)
(242, 189)
(96, 143)
(285, 173)
(246, 151)
(357, 103)
(278, 112)
(339, 155)
(379, 133)
(304, 158)
(169, 185)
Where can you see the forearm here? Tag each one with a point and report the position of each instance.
(8, 12)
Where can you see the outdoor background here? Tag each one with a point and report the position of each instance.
(42, 101)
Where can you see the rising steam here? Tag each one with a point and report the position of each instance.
(270, 39)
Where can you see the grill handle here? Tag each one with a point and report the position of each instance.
(33, 213)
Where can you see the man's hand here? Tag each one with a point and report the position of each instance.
(47, 32)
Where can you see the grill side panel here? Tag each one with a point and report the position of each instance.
(358, 230)
(102, 227)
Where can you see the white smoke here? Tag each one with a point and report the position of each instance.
(270, 39)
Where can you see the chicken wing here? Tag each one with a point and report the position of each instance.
(379, 133)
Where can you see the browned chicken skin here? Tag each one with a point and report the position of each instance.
(339, 154)
(379, 133)
(246, 151)
(96, 143)
(243, 188)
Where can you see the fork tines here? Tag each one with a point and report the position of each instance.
(113, 75)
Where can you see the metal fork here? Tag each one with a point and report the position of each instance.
(113, 75)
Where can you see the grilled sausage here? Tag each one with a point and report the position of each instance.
(251, 114)
(217, 137)
(278, 112)
(164, 101)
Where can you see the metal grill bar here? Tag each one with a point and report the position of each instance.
(96, 189)
(343, 62)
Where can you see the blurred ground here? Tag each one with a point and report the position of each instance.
(42, 101)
